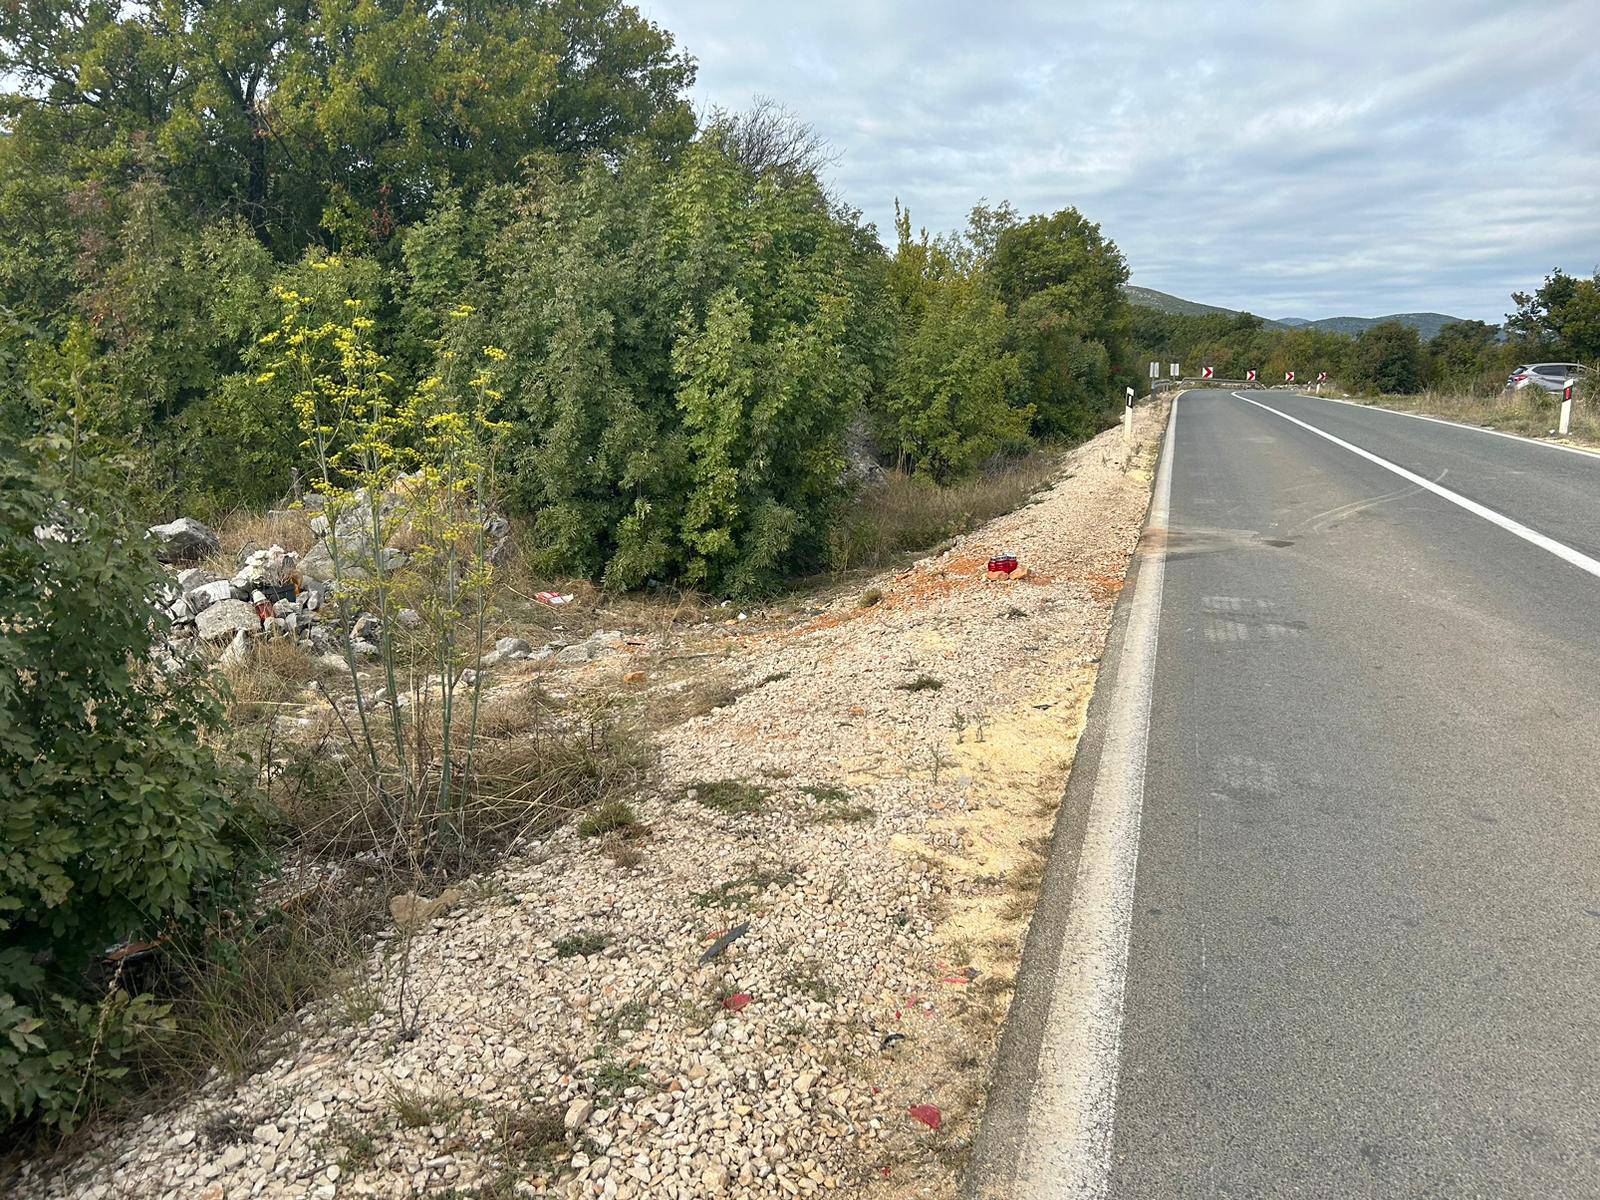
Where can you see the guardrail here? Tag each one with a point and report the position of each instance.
(1168, 385)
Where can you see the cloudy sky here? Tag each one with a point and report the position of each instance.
(1296, 159)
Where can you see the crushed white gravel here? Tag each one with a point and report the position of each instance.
(881, 889)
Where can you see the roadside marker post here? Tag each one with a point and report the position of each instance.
(1565, 423)
(1127, 421)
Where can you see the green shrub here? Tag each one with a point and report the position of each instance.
(610, 817)
(730, 795)
(112, 808)
(687, 344)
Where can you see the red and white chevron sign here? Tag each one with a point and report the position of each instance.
(1207, 373)
(1249, 376)
(1322, 377)
(1288, 376)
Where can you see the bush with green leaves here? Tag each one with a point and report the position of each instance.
(1387, 357)
(687, 341)
(113, 810)
(952, 397)
(1061, 280)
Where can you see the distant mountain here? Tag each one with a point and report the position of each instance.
(1426, 323)
(1165, 302)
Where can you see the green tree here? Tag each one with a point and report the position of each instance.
(1387, 358)
(948, 401)
(1560, 318)
(349, 116)
(112, 806)
(1462, 352)
(687, 342)
(1061, 280)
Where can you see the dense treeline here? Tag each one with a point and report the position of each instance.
(1559, 321)
(692, 323)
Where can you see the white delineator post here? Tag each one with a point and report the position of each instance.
(1127, 422)
(1566, 408)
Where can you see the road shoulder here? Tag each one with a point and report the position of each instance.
(1004, 1164)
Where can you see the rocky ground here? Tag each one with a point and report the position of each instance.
(787, 981)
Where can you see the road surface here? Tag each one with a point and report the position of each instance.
(1323, 912)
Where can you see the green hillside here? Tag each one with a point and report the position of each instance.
(1427, 324)
(1177, 305)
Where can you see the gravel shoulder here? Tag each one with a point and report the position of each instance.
(814, 931)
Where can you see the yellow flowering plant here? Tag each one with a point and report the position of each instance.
(416, 468)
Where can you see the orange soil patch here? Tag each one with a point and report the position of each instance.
(1105, 587)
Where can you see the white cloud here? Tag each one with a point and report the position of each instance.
(1313, 159)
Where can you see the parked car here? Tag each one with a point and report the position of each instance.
(1552, 377)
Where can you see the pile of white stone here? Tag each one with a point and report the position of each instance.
(270, 595)
(276, 593)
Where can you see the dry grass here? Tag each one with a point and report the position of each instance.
(1528, 413)
(531, 771)
(271, 679)
(346, 843)
(516, 611)
(242, 531)
(908, 514)
(234, 996)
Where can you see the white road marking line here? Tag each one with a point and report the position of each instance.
(1515, 437)
(1071, 1119)
(1562, 551)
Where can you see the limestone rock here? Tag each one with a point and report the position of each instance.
(192, 577)
(226, 618)
(184, 540)
(205, 595)
(411, 911)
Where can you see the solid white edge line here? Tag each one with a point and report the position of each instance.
(1564, 552)
(1515, 437)
(1072, 1114)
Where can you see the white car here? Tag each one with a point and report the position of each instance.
(1552, 377)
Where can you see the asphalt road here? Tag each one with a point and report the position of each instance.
(1323, 912)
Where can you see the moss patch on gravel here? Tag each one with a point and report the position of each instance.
(729, 795)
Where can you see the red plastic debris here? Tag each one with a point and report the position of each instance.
(928, 1114)
(735, 1003)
